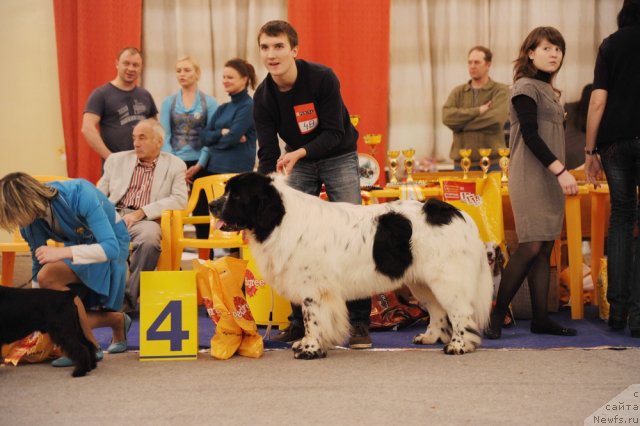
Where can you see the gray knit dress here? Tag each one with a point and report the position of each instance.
(536, 196)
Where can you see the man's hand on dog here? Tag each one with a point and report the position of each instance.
(46, 254)
(286, 162)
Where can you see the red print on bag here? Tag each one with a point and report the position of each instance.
(461, 191)
(306, 116)
(453, 191)
(242, 309)
(251, 284)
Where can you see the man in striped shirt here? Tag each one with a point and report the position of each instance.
(142, 183)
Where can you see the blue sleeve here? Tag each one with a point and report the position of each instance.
(165, 120)
(90, 207)
(242, 122)
(209, 135)
(212, 107)
(34, 239)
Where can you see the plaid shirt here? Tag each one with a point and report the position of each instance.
(139, 192)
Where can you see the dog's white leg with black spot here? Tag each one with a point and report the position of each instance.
(458, 306)
(310, 346)
(326, 323)
(465, 336)
(439, 328)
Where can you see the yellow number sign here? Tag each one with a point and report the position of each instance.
(168, 316)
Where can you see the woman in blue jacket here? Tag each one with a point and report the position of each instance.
(231, 135)
(93, 259)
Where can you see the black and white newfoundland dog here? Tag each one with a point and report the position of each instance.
(320, 254)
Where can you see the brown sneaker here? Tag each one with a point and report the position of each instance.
(290, 334)
(359, 338)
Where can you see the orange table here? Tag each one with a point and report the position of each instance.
(599, 209)
(574, 236)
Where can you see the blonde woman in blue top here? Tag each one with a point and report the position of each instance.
(231, 135)
(94, 256)
(183, 116)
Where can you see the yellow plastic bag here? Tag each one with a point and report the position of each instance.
(228, 335)
(36, 347)
(481, 198)
(232, 272)
(220, 287)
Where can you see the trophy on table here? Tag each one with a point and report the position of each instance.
(485, 162)
(465, 161)
(393, 165)
(409, 162)
(504, 163)
(371, 140)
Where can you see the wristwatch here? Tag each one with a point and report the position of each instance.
(594, 151)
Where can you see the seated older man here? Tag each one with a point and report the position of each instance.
(142, 183)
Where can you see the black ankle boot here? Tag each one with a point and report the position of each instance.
(494, 329)
(550, 327)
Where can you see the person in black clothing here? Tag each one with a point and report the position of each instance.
(300, 101)
(575, 132)
(613, 132)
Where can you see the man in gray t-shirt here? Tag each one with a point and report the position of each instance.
(117, 107)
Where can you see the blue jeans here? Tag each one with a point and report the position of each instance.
(621, 163)
(339, 175)
(341, 180)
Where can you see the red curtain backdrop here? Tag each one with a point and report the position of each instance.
(351, 37)
(89, 35)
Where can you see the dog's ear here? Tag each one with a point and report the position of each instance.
(267, 212)
(499, 257)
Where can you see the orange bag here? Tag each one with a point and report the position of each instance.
(36, 347)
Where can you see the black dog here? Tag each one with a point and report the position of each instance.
(23, 311)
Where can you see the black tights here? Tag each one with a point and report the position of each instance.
(530, 260)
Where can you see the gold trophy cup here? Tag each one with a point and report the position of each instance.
(409, 162)
(485, 162)
(465, 161)
(393, 165)
(504, 163)
(371, 140)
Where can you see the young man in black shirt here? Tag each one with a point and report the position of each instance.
(300, 101)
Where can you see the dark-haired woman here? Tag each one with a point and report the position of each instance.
(230, 137)
(538, 179)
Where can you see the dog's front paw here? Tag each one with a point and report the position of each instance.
(426, 338)
(308, 349)
(433, 335)
(458, 346)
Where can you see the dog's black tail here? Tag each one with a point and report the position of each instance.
(66, 331)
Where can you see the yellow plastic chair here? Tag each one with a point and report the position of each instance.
(18, 245)
(213, 187)
(164, 261)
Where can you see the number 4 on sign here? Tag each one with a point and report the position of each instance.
(176, 334)
(168, 316)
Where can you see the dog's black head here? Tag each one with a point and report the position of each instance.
(250, 201)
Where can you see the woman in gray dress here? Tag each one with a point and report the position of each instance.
(538, 179)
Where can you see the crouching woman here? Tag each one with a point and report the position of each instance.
(93, 259)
